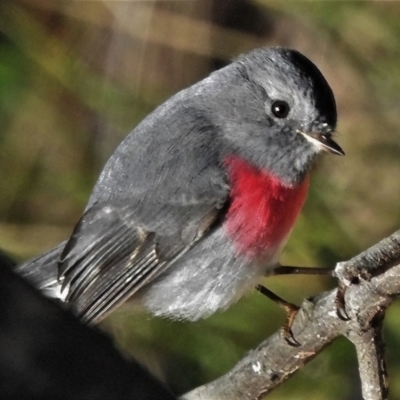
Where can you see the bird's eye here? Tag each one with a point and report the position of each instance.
(280, 109)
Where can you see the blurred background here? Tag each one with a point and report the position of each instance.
(77, 76)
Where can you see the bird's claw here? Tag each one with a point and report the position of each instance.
(341, 303)
(291, 311)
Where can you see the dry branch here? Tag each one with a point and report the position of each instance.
(372, 280)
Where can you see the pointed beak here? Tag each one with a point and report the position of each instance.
(324, 141)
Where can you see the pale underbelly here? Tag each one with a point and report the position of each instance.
(210, 277)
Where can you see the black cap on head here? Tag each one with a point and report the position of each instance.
(324, 98)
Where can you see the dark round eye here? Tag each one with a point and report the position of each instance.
(280, 108)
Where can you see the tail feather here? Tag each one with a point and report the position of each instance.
(42, 271)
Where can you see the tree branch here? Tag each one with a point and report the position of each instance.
(370, 354)
(372, 280)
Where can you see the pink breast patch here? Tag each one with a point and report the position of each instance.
(263, 209)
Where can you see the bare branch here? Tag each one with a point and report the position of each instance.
(370, 353)
(373, 280)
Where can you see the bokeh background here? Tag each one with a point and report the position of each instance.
(77, 76)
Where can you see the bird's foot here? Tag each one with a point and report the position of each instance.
(291, 312)
(342, 287)
(341, 303)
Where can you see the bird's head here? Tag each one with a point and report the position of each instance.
(278, 112)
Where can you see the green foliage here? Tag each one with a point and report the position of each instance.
(13, 80)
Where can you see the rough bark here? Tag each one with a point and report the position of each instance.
(370, 282)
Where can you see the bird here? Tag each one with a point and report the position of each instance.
(196, 204)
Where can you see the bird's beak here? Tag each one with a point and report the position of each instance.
(325, 142)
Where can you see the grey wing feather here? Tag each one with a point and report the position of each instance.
(104, 262)
(41, 271)
(110, 256)
(117, 285)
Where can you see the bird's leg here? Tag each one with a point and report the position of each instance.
(291, 309)
(289, 270)
(291, 312)
(340, 302)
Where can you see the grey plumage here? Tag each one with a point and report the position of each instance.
(153, 227)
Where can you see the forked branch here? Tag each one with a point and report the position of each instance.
(372, 282)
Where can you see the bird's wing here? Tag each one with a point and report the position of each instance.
(113, 252)
(157, 195)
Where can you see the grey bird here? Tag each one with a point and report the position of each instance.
(196, 204)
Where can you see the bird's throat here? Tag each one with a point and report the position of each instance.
(262, 209)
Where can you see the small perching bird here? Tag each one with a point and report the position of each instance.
(196, 204)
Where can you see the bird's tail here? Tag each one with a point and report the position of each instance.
(42, 272)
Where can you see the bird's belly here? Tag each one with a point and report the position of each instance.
(210, 277)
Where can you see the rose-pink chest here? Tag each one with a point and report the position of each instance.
(262, 208)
